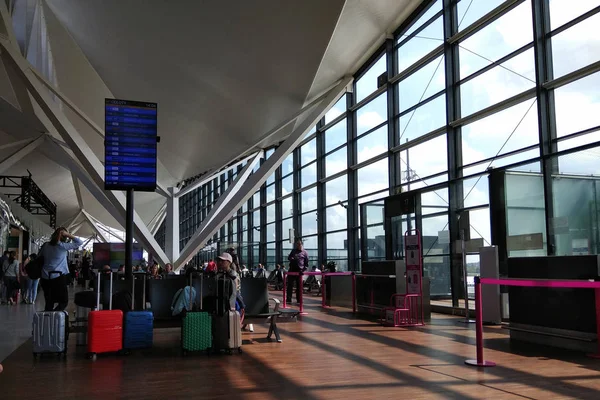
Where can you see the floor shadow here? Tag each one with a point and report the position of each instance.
(561, 387)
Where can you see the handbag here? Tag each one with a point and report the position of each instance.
(34, 267)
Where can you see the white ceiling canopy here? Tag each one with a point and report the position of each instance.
(224, 73)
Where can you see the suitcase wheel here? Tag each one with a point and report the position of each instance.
(91, 356)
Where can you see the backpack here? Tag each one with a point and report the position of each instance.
(181, 300)
(34, 267)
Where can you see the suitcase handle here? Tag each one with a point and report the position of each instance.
(110, 294)
(133, 278)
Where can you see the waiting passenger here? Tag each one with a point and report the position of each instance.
(154, 273)
(32, 289)
(55, 259)
(211, 267)
(298, 261)
(10, 271)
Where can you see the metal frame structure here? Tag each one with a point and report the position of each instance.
(30, 196)
(457, 174)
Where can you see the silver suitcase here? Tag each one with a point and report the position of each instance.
(228, 332)
(50, 332)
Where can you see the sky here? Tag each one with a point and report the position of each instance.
(577, 108)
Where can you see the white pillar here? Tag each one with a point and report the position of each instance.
(172, 225)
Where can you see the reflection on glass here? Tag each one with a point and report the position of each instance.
(338, 109)
(336, 218)
(309, 200)
(576, 200)
(336, 162)
(367, 83)
(337, 245)
(577, 106)
(506, 34)
(420, 45)
(574, 49)
(286, 225)
(287, 207)
(503, 132)
(308, 152)
(372, 144)
(287, 185)
(425, 82)
(287, 167)
(500, 83)
(476, 191)
(373, 177)
(427, 118)
(471, 11)
(256, 218)
(525, 215)
(375, 243)
(371, 114)
(434, 201)
(431, 11)
(437, 268)
(309, 223)
(563, 11)
(270, 213)
(256, 200)
(336, 136)
(308, 175)
(419, 162)
(336, 190)
(270, 193)
(480, 225)
(270, 232)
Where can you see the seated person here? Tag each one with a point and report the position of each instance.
(154, 273)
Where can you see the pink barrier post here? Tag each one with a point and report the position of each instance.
(284, 290)
(323, 290)
(597, 294)
(480, 362)
(353, 293)
(301, 287)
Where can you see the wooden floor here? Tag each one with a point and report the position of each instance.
(327, 355)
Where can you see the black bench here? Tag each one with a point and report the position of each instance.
(255, 292)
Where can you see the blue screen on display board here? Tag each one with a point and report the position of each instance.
(130, 145)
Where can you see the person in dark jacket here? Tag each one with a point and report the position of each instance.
(298, 261)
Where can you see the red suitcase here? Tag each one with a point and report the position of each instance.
(105, 328)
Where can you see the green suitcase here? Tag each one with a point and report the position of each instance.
(196, 327)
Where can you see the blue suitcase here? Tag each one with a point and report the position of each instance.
(138, 325)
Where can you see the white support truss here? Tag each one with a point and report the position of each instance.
(83, 153)
(253, 183)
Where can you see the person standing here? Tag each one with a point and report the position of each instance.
(25, 281)
(298, 262)
(10, 269)
(31, 294)
(55, 259)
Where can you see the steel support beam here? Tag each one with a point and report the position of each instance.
(19, 154)
(212, 176)
(158, 219)
(92, 222)
(59, 155)
(84, 154)
(77, 190)
(73, 221)
(219, 206)
(253, 183)
(172, 225)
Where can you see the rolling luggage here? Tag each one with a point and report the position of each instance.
(50, 330)
(139, 325)
(196, 326)
(105, 328)
(227, 334)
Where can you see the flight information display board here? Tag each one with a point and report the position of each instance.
(130, 145)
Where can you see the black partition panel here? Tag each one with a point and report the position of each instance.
(569, 309)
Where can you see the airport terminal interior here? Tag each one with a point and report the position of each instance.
(300, 199)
